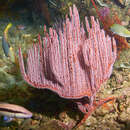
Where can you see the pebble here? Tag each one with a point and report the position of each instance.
(119, 78)
(129, 77)
(125, 83)
(128, 110)
(125, 23)
(124, 117)
(91, 120)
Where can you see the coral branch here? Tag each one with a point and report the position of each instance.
(70, 63)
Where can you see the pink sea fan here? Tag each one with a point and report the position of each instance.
(70, 63)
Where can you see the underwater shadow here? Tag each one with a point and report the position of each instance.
(48, 103)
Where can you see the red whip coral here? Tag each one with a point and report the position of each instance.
(70, 63)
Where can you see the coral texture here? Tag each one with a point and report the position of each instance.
(69, 62)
